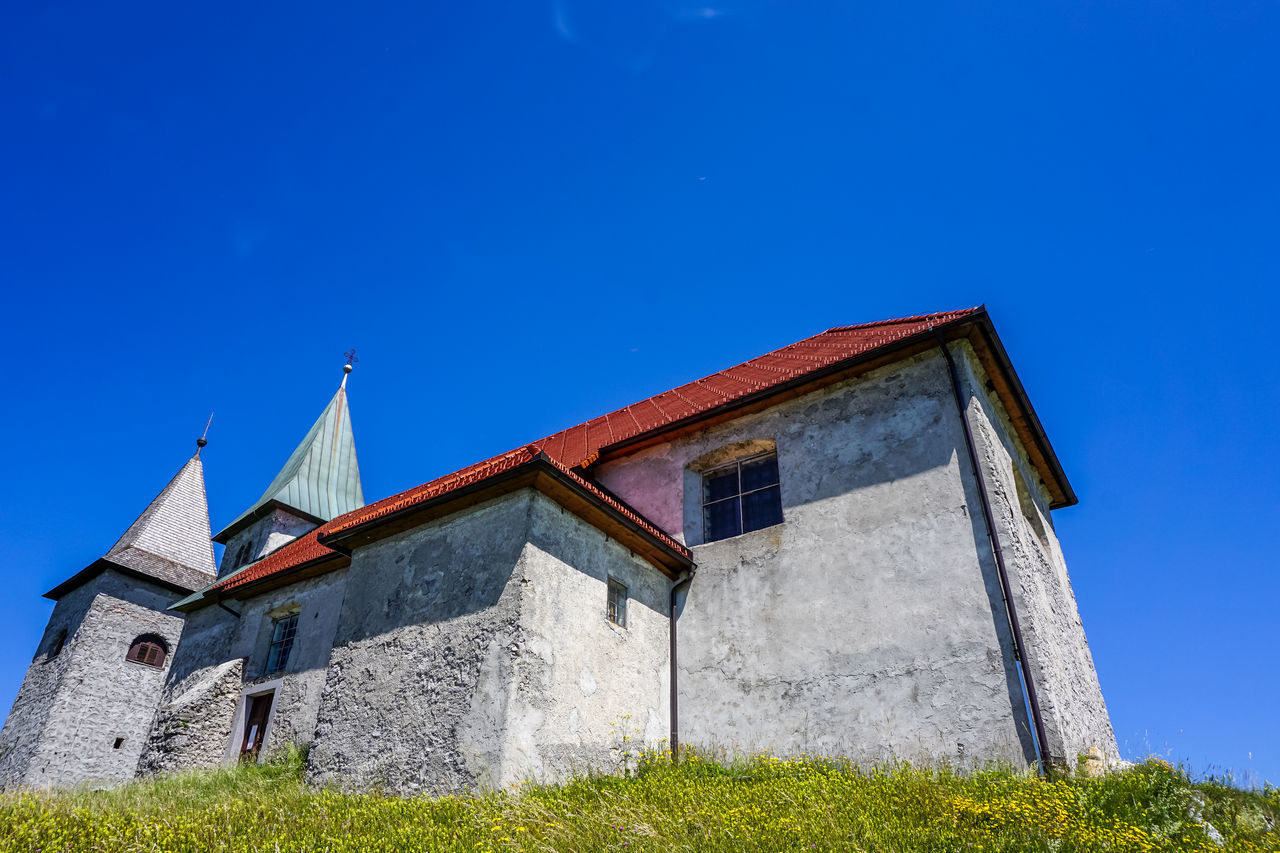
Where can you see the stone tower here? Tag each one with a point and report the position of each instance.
(320, 481)
(88, 698)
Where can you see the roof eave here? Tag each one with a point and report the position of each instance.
(977, 319)
(99, 566)
(1064, 495)
(538, 473)
(311, 568)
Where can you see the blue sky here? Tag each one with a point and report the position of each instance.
(525, 214)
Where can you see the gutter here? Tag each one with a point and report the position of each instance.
(686, 577)
(1015, 627)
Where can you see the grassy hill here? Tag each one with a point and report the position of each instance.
(699, 805)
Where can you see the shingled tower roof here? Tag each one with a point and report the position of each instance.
(169, 542)
(321, 480)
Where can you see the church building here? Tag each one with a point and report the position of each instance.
(842, 547)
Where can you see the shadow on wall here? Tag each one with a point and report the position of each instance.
(903, 426)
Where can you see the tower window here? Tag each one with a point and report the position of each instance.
(282, 634)
(119, 743)
(741, 497)
(148, 650)
(617, 603)
(58, 642)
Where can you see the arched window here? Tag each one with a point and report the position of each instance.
(149, 650)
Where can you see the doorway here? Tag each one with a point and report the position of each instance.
(255, 723)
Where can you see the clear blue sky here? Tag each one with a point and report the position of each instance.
(523, 214)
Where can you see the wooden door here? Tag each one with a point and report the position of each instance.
(255, 723)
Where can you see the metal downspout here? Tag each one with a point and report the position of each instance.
(988, 516)
(680, 582)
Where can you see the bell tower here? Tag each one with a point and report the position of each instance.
(320, 481)
(86, 703)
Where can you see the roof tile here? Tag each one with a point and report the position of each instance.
(579, 445)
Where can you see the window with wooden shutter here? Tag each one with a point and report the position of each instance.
(149, 650)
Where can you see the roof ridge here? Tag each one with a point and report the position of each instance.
(574, 447)
(918, 318)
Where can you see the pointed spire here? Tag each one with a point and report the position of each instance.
(321, 479)
(168, 542)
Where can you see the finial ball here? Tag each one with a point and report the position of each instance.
(200, 442)
(346, 368)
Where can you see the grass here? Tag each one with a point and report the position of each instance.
(697, 805)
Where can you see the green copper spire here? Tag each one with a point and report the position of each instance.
(321, 480)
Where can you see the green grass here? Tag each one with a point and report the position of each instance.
(699, 805)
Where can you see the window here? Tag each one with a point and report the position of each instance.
(282, 633)
(617, 604)
(741, 497)
(149, 650)
(58, 642)
(242, 555)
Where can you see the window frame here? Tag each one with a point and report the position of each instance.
(739, 495)
(616, 597)
(141, 647)
(284, 632)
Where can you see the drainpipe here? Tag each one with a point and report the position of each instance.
(680, 582)
(1015, 627)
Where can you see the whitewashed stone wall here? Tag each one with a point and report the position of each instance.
(1074, 712)
(223, 658)
(474, 653)
(88, 709)
(870, 623)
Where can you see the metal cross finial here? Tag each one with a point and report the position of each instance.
(346, 368)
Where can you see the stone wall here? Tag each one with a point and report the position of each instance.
(1074, 712)
(223, 659)
(100, 709)
(475, 653)
(869, 623)
(419, 678)
(588, 692)
(26, 721)
(191, 729)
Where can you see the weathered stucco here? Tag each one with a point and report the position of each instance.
(83, 716)
(475, 653)
(418, 681)
(588, 691)
(223, 660)
(870, 622)
(1074, 712)
(193, 723)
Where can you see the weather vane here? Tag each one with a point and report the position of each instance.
(203, 439)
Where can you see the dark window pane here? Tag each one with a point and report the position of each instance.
(762, 508)
(758, 473)
(719, 485)
(617, 603)
(283, 632)
(720, 520)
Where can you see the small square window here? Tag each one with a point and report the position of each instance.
(282, 634)
(741, 497)
(617, 605)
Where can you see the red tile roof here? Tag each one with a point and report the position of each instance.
(305, 549)
(579, 445)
